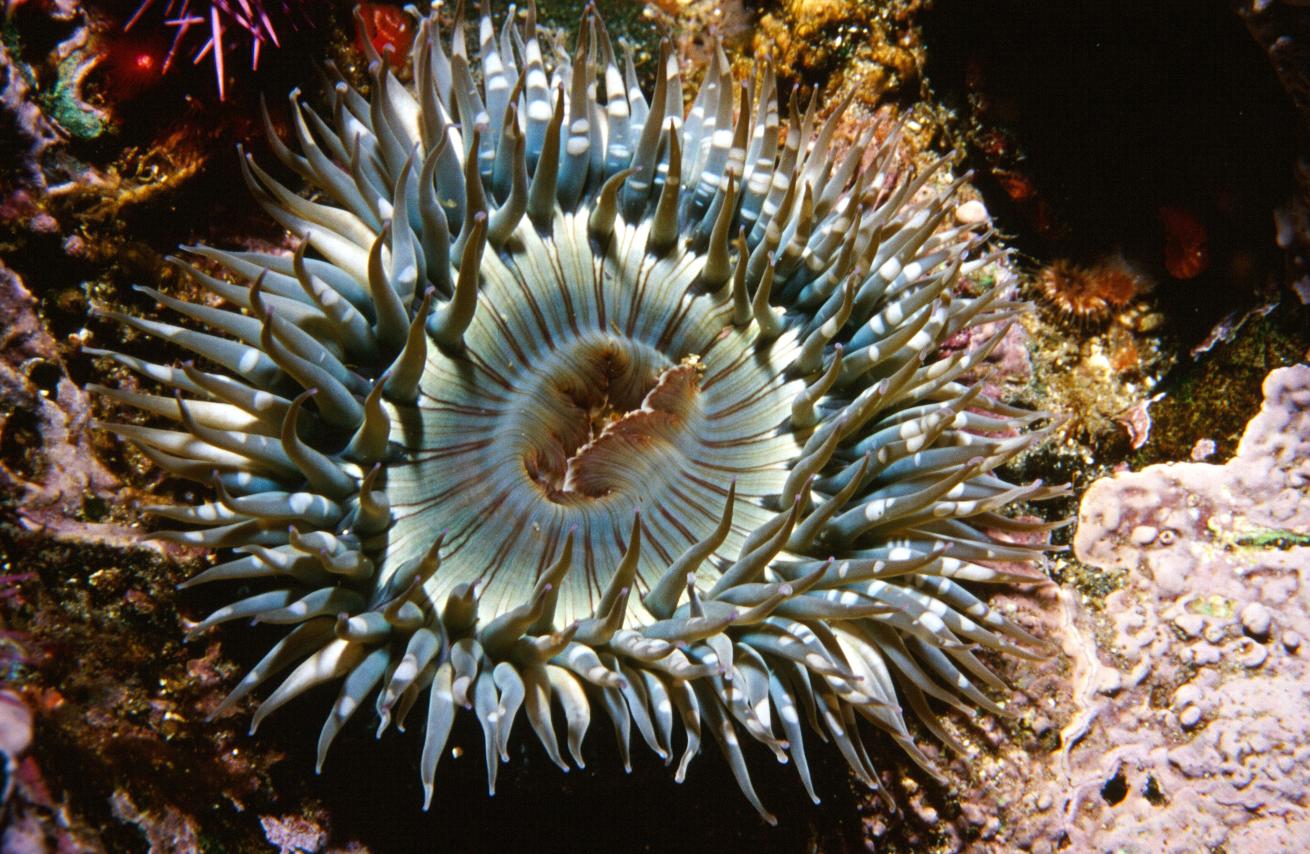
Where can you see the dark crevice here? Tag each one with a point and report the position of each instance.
(1095, 127)
(1115, 789)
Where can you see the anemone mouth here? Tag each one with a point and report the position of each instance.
(567, 402)
(603, 394)
(604, 398)
(642, 412)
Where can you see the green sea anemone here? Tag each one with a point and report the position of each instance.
(568, 401)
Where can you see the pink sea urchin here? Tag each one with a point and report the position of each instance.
(217, 19)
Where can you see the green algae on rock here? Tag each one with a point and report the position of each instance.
(568, 399)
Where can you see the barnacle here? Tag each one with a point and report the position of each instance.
(568, 400)
(1090, 294)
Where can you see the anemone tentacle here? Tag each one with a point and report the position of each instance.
(569, 400)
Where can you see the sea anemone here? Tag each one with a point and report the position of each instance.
(568, 401)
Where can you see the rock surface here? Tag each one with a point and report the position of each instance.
(46, 466)
(1209, 736)
(1174, 714)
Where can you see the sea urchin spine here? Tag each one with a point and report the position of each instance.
(248, 16)
(566, 398)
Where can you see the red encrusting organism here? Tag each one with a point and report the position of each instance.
(1186, 243)
(132, 63)
(388, 28)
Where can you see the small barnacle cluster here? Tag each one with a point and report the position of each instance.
(1090, 294)
(571, 401)
(1102, 349)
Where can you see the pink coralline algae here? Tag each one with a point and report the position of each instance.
(15, 737)
(1195, 731)
(1174, 716)
(45, 458)
(293, 833)
(164, 830)
(22, 124)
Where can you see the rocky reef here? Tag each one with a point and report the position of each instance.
(1176, 719)
(1195, 713)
